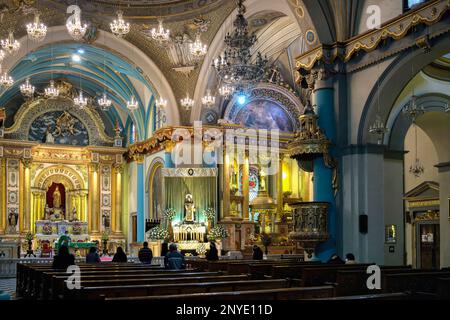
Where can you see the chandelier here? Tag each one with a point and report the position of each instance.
(198, 49)
(119, 27)
(226, 90)
(187, 102)
(417, 168)
(80, 101)
(104, 102)
(10, 44)
(27, 89)
(161, 103)
(132, 104)
(2, 55)
(234, 66)
(160, 34)
(447, 108)
(378, 128)
(75, 28)
(36, 30)
(209, 100)
(413, 110)
(6, 80)
(51, 92)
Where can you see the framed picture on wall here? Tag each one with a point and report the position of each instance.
(391, 233)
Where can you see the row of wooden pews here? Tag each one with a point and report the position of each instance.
(287, 279)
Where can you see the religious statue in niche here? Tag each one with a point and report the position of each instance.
(106, 219)
(12, 219)
(74, 214)
(189, 208)
(49, 136)
(57, 213)
(47, 212)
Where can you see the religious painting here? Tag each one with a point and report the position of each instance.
(59, 127)
(391, 234)
(264, 114)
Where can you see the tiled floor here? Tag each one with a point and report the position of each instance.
(8, 285)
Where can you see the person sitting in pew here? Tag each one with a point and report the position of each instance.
(174, 260)
(63, 259)
(120, 256)
(212, 254)
(92, 256)
(258, 254)
(335, 259)
(350, 259)
(145, 254)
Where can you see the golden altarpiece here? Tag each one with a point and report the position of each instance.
(60, 171)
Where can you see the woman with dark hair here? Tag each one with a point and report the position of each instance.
(120, 256)
(164, 249)
(212, 254)
(92, 256)
(350, 258)
(63, 259)
(335, 259)
(258, 254)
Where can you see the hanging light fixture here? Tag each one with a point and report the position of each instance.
(6, 80)
(27, 89)
(160, 34)
(234, 67)
(161, 103)
(187, 102)
(417, 168)
(447, 108)
(10, 44)
(51, 92)
(209, 100)
(104, 102)
(76, 29)
(413, 110)
(36, 30)
(378, 128)
(132, 104)
(119, 27)
(80, 101)
(226, 91)
(197, 48)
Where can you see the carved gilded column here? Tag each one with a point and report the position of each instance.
(226, 186)
(117, 198)
(93, 197)
(280, 188)
(245, 189)
(2, 196)
(24, 196)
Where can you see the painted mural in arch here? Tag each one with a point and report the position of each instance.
(264, 114)
(59, 127)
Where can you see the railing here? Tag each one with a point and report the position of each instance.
(8, 267)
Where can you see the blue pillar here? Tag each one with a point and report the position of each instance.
(140, 190)
(323, 176)
(168, 163)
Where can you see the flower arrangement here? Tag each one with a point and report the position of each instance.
(201, 249)
(157, 233)
(105, 236)
(29, 236)
(210, 213)
(218, 232)
(169, 214)
(47, 229)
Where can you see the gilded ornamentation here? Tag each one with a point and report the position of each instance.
(189, 172)
(370, 40)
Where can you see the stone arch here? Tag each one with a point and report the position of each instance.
(68, 174)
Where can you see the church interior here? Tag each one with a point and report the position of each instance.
(315, 131)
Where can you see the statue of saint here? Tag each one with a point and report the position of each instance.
(46, 212)
(189, 208)
(49, 136)
(74, 214)
(57, 198)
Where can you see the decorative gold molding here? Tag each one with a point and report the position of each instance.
(396, 29)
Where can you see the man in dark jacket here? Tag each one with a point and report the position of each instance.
(145, 254)
(63, 259)
(174, 260)
(257, 253)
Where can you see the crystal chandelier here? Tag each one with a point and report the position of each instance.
(104, 102)
(417, 168)
(378, 128)
(161, 103)
(198, 49)
(10, 44)
(413, 110)
(51, 92)
(209, 100)
(27, 89)
(160, 34)
(6, 80)
(447, 108)
(36, 30)
(234, 66)
(226, 91)
(75, 28)
(2, 55)
(80, 101)
(119, 27)
(132, 104)
(187, 102)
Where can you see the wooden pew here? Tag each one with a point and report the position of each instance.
(422, 282)
(443, 288)
(381, 296)
(258, 271)
(177, 288)
(320, 275)
(296, 293)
